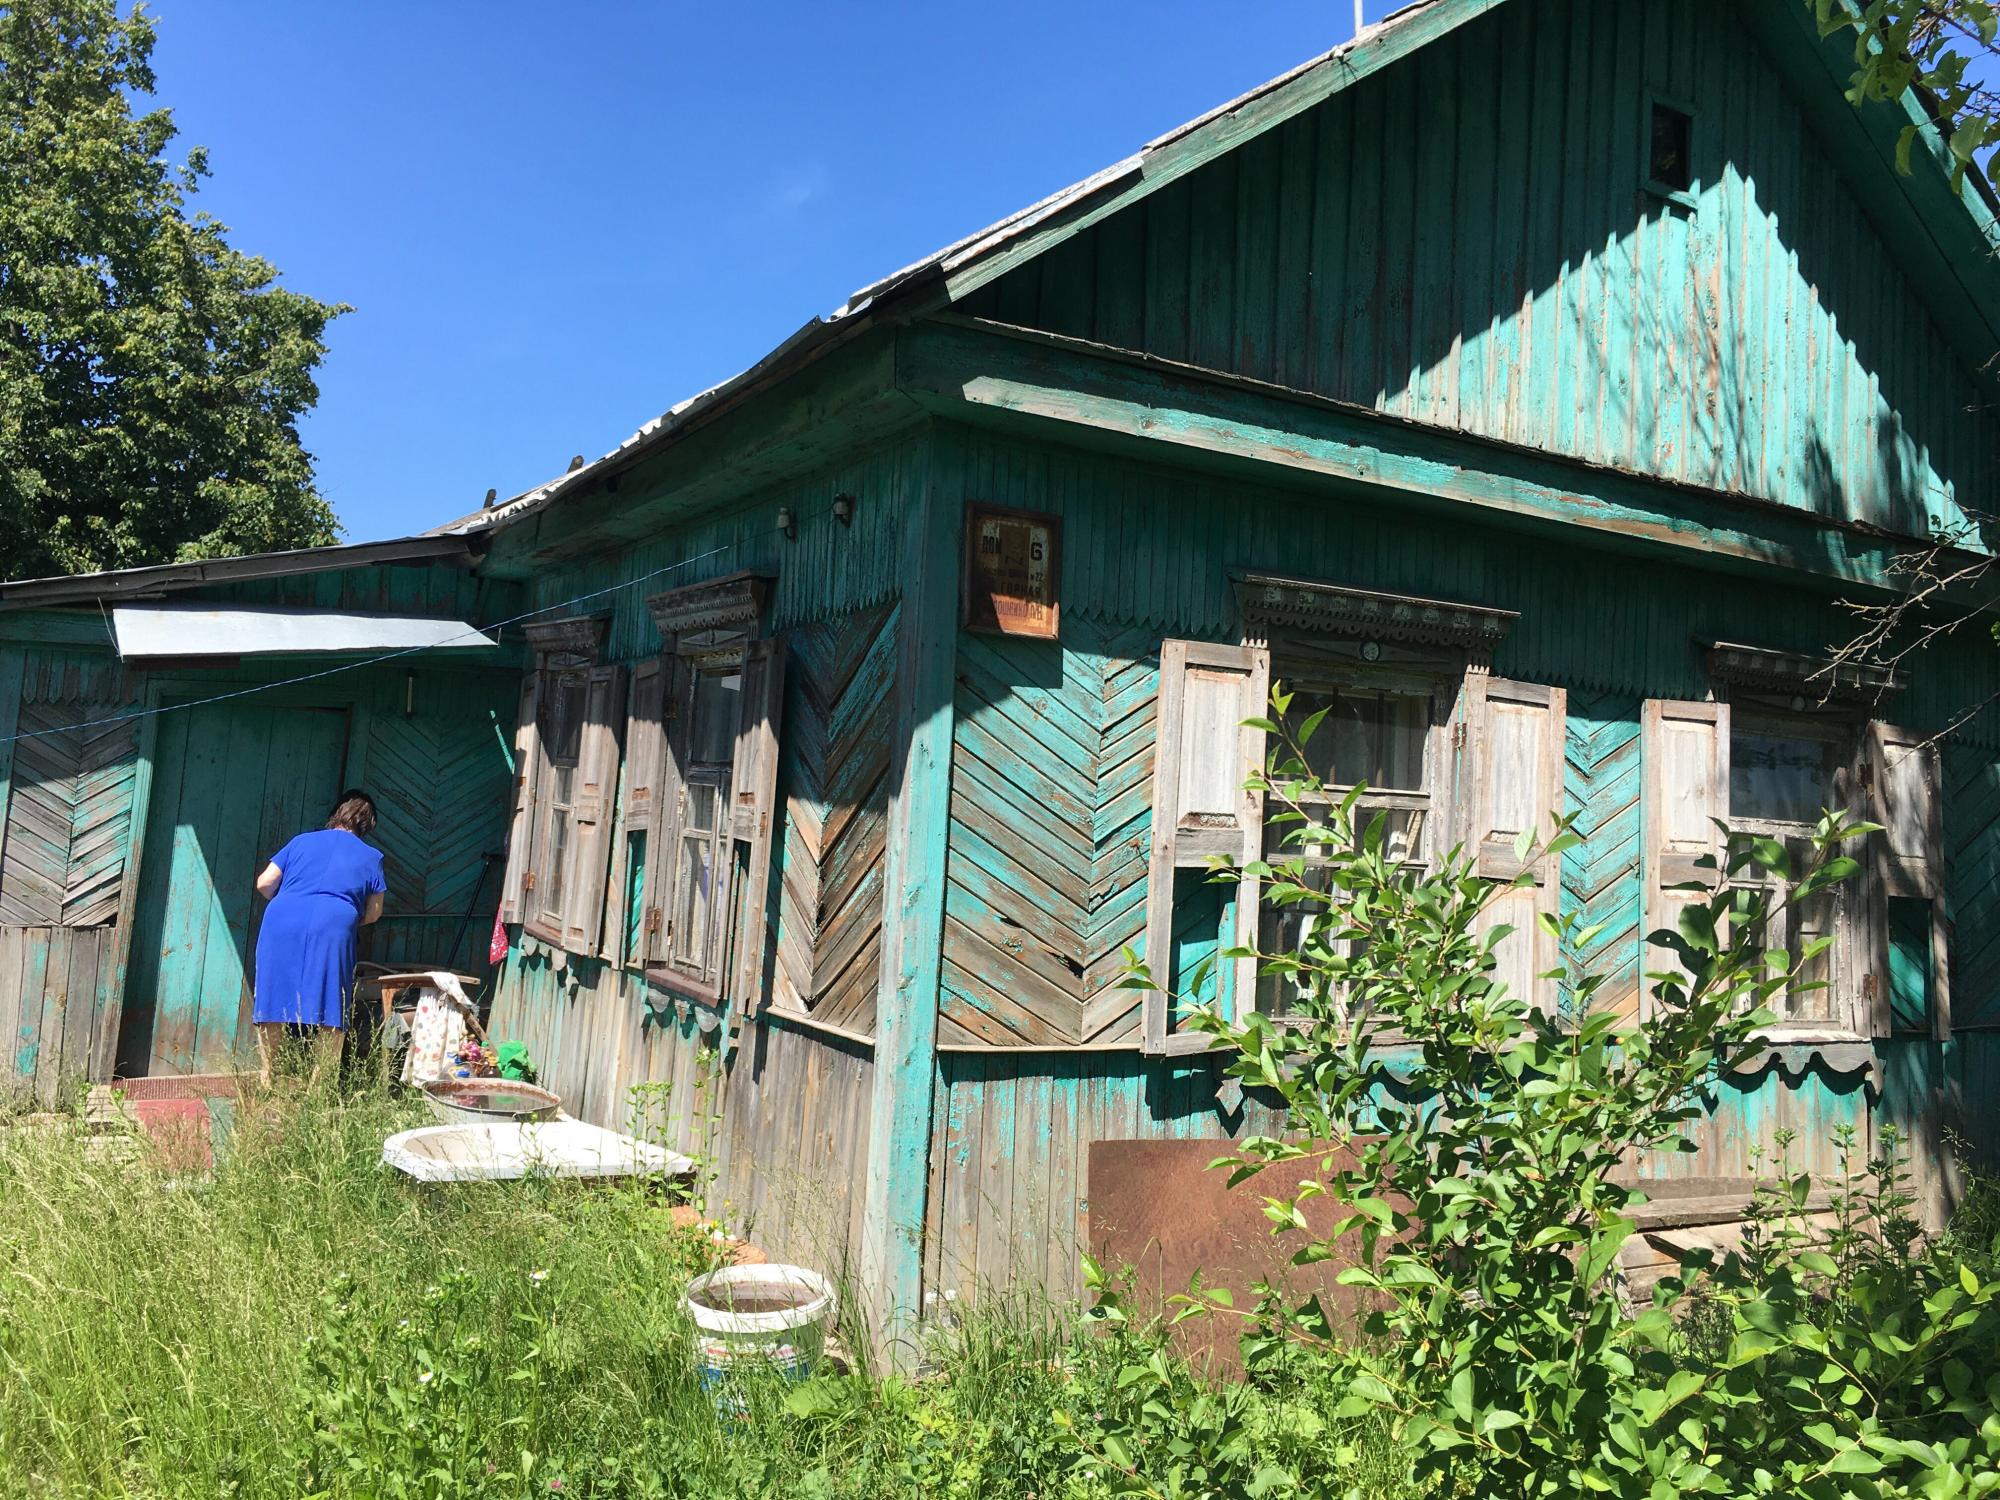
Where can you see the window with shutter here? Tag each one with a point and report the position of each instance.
(558, 822)
(1390, 674)
(1203, 812)
(1767, 767)
(710, 825)
(1514, 775)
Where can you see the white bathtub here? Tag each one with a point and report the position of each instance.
(550, 1148)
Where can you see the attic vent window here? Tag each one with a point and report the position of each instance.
(1670, 151)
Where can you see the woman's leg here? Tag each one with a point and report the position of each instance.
(326, 1044)
(270, 1040)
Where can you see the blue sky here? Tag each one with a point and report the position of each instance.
(554, 221)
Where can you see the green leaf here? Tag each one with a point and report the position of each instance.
(1854, 1460)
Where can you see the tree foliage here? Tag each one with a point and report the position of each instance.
(1944, 49)
(151, 376)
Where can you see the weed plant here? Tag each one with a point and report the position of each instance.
(305, 1322)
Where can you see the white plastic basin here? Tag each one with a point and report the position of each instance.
(549, 1148)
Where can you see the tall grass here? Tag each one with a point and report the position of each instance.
(305, 1322)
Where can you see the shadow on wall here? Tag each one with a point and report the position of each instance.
(1466, 239)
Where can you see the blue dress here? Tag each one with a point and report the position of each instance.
(305, 949)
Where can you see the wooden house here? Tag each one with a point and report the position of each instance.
(1528, 381)
(163, 731)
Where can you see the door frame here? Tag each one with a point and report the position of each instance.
(163, 694)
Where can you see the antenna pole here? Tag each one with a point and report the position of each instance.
(1359, 24)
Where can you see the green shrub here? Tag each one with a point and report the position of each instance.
(1465, 1150)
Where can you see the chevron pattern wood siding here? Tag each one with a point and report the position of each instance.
(1601, 878)
(1052, 763)
(69, 817)
(1972, 837)
(834, 776)
(442, 788)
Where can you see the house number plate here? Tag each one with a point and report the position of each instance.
(1011, 561)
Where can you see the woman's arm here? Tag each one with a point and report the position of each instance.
(372, 912)
(268, 882)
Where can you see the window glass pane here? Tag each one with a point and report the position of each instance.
(703, 800)
(712, 734)
(559, 716)
(1402, 830)
(1811, 920)
(562, 786)
(551, 882)
(1376, 738)
(1669, 159)
(694, 899)
(1777, 778)
(1284, 930)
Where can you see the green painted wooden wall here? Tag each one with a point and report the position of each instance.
(782, 1115)
(1145, 555)
(79, 875)
(68, 792)
(1463, 240)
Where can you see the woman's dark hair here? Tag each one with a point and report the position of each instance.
(355, 811)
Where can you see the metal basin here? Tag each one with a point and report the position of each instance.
(488, 1101)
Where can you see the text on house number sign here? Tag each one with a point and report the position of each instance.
(1011, 571)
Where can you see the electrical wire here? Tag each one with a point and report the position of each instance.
(376, 661)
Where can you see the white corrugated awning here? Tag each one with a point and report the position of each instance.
(182, 631)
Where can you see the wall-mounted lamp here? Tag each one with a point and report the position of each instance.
(409, 694)
(843, 509)
(788, 523)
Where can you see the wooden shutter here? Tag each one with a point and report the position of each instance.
(1202, 810)
(1515, 741)
(645, 764)
(591, 810)
(1900, 780)
(520, 837)
(1684, 751)
(753, 791)
(663, 838)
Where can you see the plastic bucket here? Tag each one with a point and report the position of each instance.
(764, 1318)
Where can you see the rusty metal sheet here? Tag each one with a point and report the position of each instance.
(1156, 1208)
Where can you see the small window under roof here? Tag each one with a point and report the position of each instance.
(1670, 150)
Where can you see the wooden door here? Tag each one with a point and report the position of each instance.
(232, 783)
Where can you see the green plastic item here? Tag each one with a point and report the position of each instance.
(515, 1063)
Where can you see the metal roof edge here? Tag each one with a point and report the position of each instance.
(121, 583)
(809, 339)
(1367, 52)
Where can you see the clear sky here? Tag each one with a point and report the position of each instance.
(555, 220)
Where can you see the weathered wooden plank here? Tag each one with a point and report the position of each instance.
(907, 1003)
(11, 1038)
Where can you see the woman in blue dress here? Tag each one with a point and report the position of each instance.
(322, 887)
